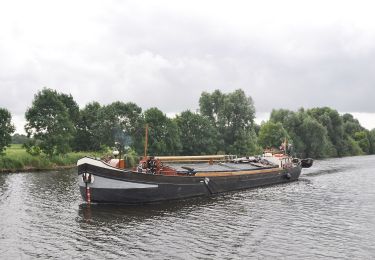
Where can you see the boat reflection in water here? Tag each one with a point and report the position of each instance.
(122, 213)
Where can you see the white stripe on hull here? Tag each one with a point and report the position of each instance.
(105, 183)
(97, 163)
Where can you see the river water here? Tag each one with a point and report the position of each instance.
(329, 213)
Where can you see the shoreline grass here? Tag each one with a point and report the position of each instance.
(16, 159)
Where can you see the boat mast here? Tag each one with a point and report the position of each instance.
(146, 140)
(285, 145)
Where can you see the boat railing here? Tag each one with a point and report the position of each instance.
(196, 158)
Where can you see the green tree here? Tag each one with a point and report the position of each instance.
(351, 125)
(372, 141)
(352, 147)
(120, 122)
(6, 129)
(272, 134)
(336, 140)
(233, 116)
(245, 143)
(48, 120)
(333, 123)
(292, 123)
(344, 134)
(315, 137)
(71, 106)
(363, 141)
(212, 106)
(163, 133)
(87, 137)
(19, 139)
(197, 134)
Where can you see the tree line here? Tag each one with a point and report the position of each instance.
(224, 125)
(319, 132)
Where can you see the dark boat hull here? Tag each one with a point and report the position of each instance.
(112, 185)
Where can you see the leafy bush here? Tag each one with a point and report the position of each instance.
(8, 163)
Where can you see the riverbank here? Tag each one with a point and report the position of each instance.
(16, 159)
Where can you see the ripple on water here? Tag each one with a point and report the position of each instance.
(328, 213)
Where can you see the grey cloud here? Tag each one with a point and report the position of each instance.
(166, 58)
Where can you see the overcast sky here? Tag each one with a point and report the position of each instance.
(284, 54)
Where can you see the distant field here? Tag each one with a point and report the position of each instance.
(15, 149)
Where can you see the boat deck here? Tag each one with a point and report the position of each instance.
(217, 167)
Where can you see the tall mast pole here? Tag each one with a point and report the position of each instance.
(146, 140)
(286, 145)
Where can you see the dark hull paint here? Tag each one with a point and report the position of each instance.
(176, 187)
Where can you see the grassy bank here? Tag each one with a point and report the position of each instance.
(17, 159)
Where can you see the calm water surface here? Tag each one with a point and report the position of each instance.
(329, 213)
